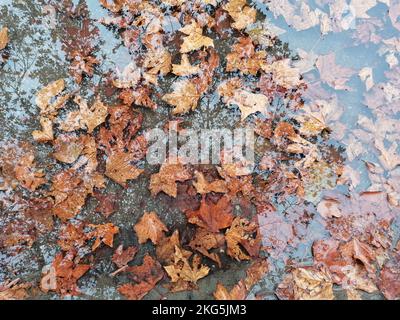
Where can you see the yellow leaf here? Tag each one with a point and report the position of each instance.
(3, 38)
(185, 97)
(195, 39)
(85, 118)
(185, 68)
(241, 13)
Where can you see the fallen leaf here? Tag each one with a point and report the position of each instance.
(204, 241)
(212, 217)
(103, 233)
(46, 134)
(244, 57)
(3, 38)
(203, 186)
(87, 117)
(29, 177)
(167, 177)
(185, 68)
(120, 169)
(145, 277)
(238, 292)
(165, 249)
(240, 235)
(194, 39)
(68, 148)
(62, 274)
(306, 284)
(247, 101)
(242, 14)
(45, 96)
(122, 257)
(283, 73)
(13, 290)
(182, 270)
(150, 227)
(184, 97)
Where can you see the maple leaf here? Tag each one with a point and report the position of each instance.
(45, 96)
(240, 234)
(244, 57)
(167, 177)
(283, 73)
(247, 101)
(185, 68)
(242, 14)
(166, 248)
(122, 257)
(195, 39)
(182, 270)
(85, 118)
(150, 227)
(68, 148)
(3, 38)
(103, 233)
(120, 169)
(113, 5)
(158, 62)
(146, 276)
(203, 241)
(139, 96)
(46, 134)
(203, 186)
(306, 284)
(212, 217)
(13, 290)
(184, 97)
(62, 274)
(27, 175)
(334, 75)
(72, 236)
(342, 261)
(238, 292)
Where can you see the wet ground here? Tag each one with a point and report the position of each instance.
(37, 57)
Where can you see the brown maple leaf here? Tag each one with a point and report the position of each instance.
(203, 241)
(72, 236)
(120, 169)
(122, 257)
(238, 292)
(146, 276)
(29, 177)
(165, 180)
(244, 57)
(306, 284)
(62, 274)
(241, 235)
(13, 290)
(87, 117)
(103, 233)
(203, 186)
(150, 227)
(184, 98)
(181, 270)
(68, 148)
(212, 217)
